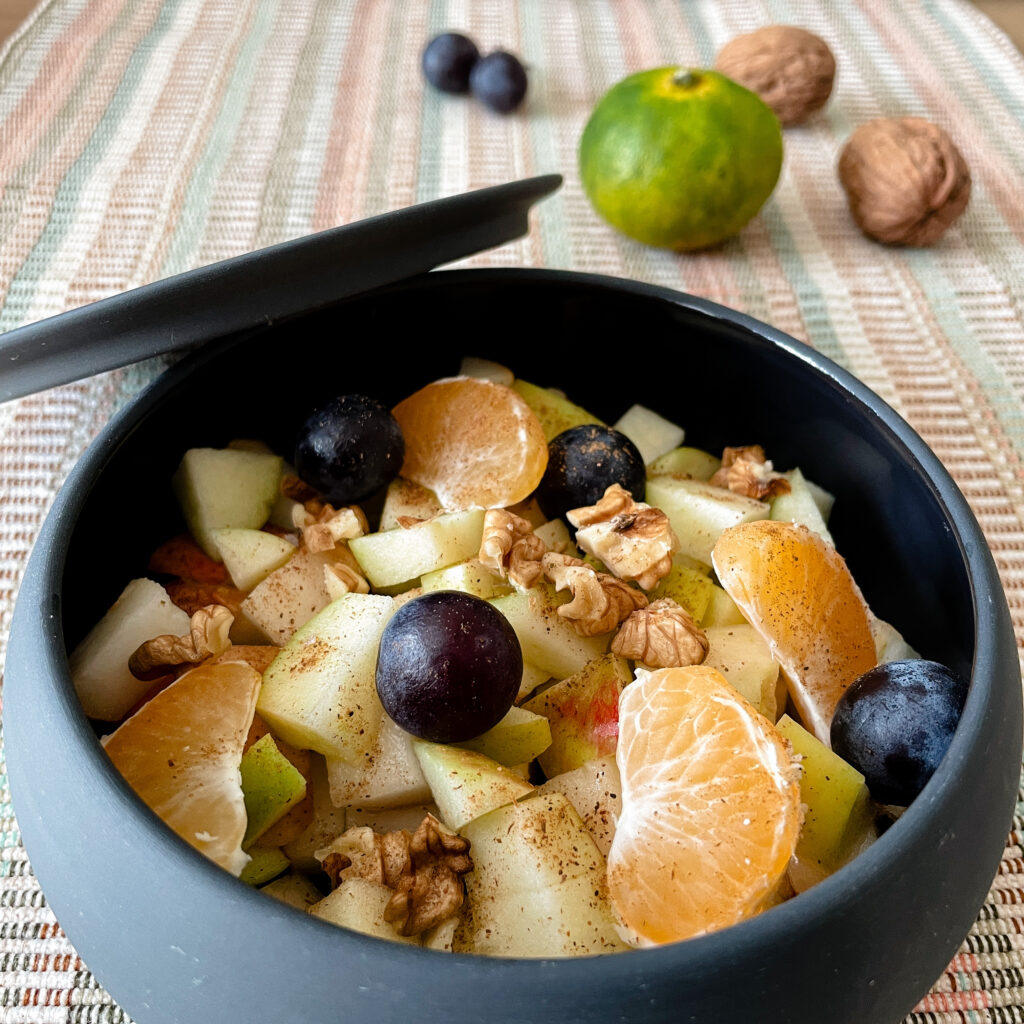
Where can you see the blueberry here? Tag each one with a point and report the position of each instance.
(498, 81)
(448, 60)
(583, 462)
(349, 448)
(449, 666)
(895, 723)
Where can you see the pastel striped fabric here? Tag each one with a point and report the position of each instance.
(141, 138)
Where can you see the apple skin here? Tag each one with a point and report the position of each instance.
(583, 712)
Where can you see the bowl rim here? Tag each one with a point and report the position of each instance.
(990, 624)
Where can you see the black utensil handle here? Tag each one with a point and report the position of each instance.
(264, 286)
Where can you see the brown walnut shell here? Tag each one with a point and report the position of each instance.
(905, 180)
(791, 69)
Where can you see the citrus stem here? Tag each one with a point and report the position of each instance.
(684, 77)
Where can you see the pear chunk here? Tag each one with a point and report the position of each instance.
(250, 556)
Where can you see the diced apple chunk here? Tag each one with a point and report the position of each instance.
(692, 588)
(721, 610)
(319, 693)
(548, 640)
(889, 642)
(686, 462)
(250, 556)
(555, 412)
(469, 577)
(699, 511)
(221, 487)
(399, 556)
(271, 786)
(537, 888)
(595, 790)
(99, 664)
(517, 739)
(486, 369)
(327, 823)
(800, 506)
(746, 661)
(359, 904)
(466, 784)
(652, 434)
(556, 537)
(407, 499)
(389, 775)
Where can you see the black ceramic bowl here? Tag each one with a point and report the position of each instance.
(175, 939)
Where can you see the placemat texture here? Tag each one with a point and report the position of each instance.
(140, 138)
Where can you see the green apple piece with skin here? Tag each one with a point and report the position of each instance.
(838, 816)
(721, 610)
(518, 738)
(327, 822)
(687, 586)
(685, 462)
(698, 511)
(359, 904)
(99, 664)
(822, 498)
(250, 556)
(265, 863)
(595, 790)
(218, 487)
(399, 556)
(532, 678)
(271, 787)
(555, 412)
(556, 537)
(466, 784)
(537, 888)
(469, 577)
(548, 640)
(290, 596)
(486, 369)
(294, 889)
(889, 642)
(799, 506)
(746, 661)
(391, 819)
(320, 692)
(388, 776)
(583, 712)
(652, 434)
(405, 499)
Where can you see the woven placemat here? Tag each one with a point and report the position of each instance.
(139, 138)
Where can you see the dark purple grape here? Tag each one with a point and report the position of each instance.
(349, 448)
(583, 462)
(498, 81)
(448, 60)
(449, 666)
(895, 723)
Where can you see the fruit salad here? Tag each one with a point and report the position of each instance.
(483, 673)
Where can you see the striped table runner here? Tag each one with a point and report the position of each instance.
(141, 138)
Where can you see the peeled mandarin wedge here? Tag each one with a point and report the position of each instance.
(710, 806)
(796, 590)
(474, 443)
(181, 753)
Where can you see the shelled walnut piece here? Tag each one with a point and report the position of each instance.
(662, 635)
(207, 635)
(634, 540)
(599, 601)
(905, 180)
(510, 548)
(423, 869)
(745, 470)
(791, 69)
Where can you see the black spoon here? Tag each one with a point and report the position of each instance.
(263, 287)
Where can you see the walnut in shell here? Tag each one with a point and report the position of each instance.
(905, 180)
(791, 69)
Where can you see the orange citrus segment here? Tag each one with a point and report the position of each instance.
(474, 443)
(181, 753)
(796, 590)
(710, 806)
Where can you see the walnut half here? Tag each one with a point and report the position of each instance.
(599, 601)
(745, 470)
(510, 548)
(662, 635)
(207, 635)
(634, 540)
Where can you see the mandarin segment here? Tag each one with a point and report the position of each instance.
(798, 593)
(181, 753)
(474, 443)
(710, 806)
